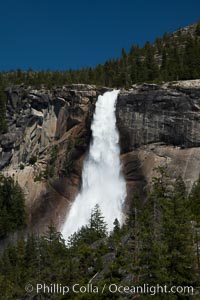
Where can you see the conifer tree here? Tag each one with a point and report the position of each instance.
(178, 236)
(197, 31)
(166, 242)
(116, 228)
(97, 223)
(194, 202)
(12, 206)
(3, 125)
(153, 249)
(194, 208)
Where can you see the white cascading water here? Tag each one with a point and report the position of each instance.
(102, 182)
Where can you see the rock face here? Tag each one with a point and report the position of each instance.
(40, 121)
(150, 113)
(49, 134)
(159, 125)
(37, 117)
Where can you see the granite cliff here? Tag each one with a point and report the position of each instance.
(159, 125)
(49, 134)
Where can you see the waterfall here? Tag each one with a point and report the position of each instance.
(102, 181)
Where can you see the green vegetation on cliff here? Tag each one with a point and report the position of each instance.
(156, 245)
(12, 206)
(173, 57)
(3, 125)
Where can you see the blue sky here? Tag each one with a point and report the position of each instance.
(62, 34)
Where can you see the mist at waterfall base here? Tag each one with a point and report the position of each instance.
(102, 181)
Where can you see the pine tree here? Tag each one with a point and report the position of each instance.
(97, 223)
(31, 253)
(166, 241)
(151, 66)
(153, 250)
(3, 124)
(12, 206)
(197, 31)
(194, 208)
(116, 228)
(178, 235)
(194, 202)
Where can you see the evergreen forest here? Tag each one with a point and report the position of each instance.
(158, 244)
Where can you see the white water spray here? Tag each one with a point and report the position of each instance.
(102, 182)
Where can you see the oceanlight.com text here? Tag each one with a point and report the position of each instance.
(112, 288)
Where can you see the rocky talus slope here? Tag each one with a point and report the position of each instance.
(49, 134)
